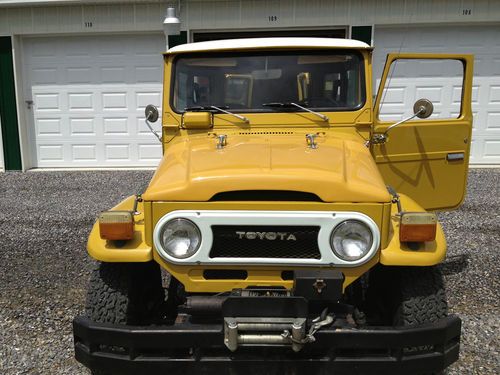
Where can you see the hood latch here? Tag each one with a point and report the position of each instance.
(221, 141)
(311, 139)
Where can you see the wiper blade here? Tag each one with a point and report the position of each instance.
(277, 105)
(202, 108)
(218, 109)
(292, 104)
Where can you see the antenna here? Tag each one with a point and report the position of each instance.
(393, 68)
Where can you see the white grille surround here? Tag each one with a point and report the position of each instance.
(327, 221)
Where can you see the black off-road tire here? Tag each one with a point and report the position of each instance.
(407, 296)
(125, 293)
(422, 297)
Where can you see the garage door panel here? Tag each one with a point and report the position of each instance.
(89, 96)
(84, 153)
(51, 153)
(142, 129)
(48, 127)
(148, 152)
(112, 74)
(148, 74)
(83, 126)
(44, 76)
(114, 100)
(493, 121)
(491, 149)
(483, 42)
(116, 126)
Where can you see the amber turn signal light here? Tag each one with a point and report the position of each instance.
(417, 227)
(116, 225)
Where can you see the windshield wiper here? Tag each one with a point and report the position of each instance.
(197, 108)
(218, 109)
(292, 104)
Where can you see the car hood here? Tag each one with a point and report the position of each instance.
(340, 169)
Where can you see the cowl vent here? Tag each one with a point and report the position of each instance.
(272, 133)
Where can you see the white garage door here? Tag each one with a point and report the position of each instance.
(484, 43)
(89, 95)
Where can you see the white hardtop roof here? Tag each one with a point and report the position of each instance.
(257, 43)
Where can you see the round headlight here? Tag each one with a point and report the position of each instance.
(180, 238)
(351, 240)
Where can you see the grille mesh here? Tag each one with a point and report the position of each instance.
(256, 241)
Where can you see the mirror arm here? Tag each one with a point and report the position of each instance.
(152, 130)
(382, 138)
(404, 120)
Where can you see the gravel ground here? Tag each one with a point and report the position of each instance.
(45, 218)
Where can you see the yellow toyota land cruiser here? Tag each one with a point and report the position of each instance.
(289, 227)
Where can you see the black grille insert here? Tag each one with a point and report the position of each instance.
(272, 241)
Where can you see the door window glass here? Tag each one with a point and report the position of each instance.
(439, 80)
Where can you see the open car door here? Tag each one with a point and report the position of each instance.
(426, 159)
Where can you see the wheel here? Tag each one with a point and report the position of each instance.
(422, 297)
(125, 293)
(405, 296)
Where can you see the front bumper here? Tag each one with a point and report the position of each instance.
(200, 348)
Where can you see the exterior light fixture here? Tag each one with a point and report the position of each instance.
(171, 25)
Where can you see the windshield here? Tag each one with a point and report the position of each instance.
(245, 82)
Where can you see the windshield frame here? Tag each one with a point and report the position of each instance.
(295, 51)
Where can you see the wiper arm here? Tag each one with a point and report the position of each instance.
(292, 104)
(242, 118)
(320, 115)
(218, 109)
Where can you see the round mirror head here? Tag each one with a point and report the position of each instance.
(151, 113)
(423, 108)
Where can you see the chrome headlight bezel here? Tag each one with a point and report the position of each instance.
(364, 234)
(176, 225)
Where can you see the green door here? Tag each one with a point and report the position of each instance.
(8, 113)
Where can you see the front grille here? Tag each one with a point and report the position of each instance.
(257, 241)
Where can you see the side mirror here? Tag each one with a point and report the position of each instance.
(151, 113)
(423, 108)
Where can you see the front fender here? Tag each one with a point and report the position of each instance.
(399, 254)
(135, 250)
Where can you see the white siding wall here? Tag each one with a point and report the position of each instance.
(205, 14)
(229, 14)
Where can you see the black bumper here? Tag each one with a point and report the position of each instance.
(199, 348)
